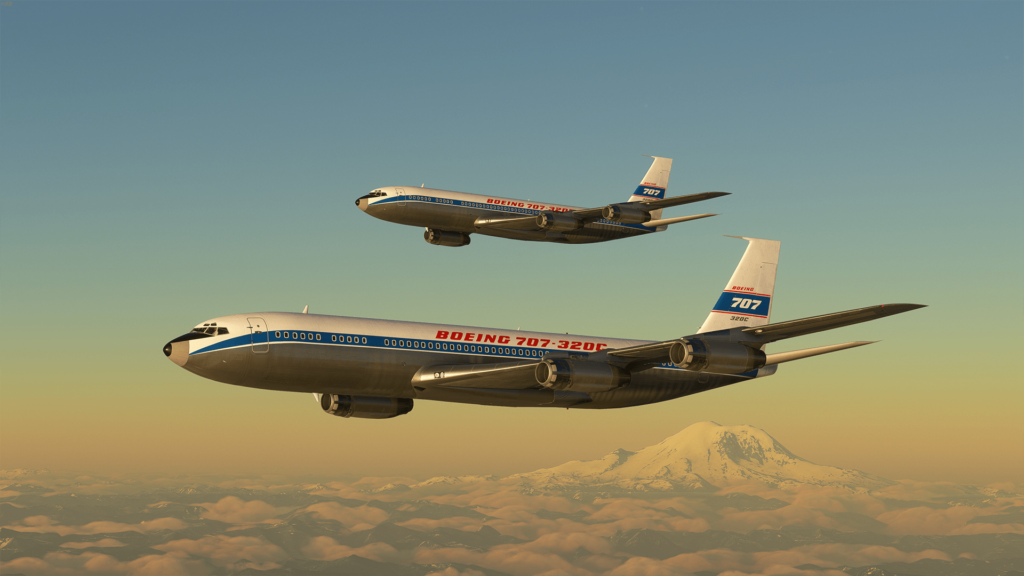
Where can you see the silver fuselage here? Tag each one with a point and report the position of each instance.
(340, 355)
(460, 212)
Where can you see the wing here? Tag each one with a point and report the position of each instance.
(655, 353)
(508, 222)
(502, 375)
(590, 214)
(585, 215)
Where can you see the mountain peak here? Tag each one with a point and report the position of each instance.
(698, 457)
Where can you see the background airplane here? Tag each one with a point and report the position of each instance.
(375, 368)
(450, 217)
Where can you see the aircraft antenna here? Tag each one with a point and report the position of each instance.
(306, 309)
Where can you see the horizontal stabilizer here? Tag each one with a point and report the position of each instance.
(808, 352)
(503, 375)
(793, 328)
(666, 221)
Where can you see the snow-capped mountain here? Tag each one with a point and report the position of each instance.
(701, 456)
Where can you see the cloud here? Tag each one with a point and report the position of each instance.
(449, 571)
(355, 519)
(513, 559)
(43, 524)
(224, 550)
(104, 543)
(984, 528)
(929, 521)
(457, 522)
(326, 548)
(234, 510)
(92, 563)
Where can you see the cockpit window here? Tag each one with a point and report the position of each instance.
(209, 330)
(376, 193)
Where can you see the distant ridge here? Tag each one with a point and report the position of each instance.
(700, 457)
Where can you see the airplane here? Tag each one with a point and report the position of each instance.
(450, 217)
(362, 368)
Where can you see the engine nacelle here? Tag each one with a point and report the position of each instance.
(364, 406)
(580, 375)
(625, 214)
(557, 222)
(445, 238)
(716, 357)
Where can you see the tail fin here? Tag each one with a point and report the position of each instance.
(747, 298)
(653, 186)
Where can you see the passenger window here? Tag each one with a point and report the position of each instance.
(334, 338)
(401, 343)
(317, 337)
(445, 346)
(277, 334)
(430, 345)
(303, 335)
(294, 335)
(459, 347)
(348, 339)
(364, 339)
(415, 344)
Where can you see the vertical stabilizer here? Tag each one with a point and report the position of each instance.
(747, 298)
(653, 186)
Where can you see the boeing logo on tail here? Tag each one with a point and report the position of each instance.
(450, 218)
(361, 368)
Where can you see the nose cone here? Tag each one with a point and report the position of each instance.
(177, 351)
(362, 202)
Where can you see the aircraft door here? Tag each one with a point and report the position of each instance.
(260, 335)
(401, 196)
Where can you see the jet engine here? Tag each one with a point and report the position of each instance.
(364, 406)
(625, 214)
(445, 238)
(699, 355)
(580, 375)
(557, 222)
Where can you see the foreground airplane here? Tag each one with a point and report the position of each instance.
(450, 217)
(375, 368)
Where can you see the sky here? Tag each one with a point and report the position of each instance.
(164, 163)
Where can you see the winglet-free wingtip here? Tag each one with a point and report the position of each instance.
(900, 308)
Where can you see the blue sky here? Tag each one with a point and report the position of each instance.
(167, 162)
